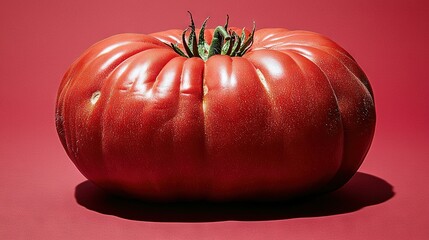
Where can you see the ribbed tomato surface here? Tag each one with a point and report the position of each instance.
(293, 116)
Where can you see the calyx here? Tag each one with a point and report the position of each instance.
(224, 42)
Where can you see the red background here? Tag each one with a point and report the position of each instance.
(43, 196)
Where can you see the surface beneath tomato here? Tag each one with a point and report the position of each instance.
(294, 116)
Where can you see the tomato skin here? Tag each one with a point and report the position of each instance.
(294, 116)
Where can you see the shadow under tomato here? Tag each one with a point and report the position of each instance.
(361, 191)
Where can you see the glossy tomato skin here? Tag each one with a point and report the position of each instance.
(294, 116)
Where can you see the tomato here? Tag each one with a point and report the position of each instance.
(224, 115)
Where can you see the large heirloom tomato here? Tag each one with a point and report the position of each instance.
(216, 114)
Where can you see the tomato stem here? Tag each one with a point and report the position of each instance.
(224, 42)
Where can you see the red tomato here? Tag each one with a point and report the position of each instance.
(293, 115)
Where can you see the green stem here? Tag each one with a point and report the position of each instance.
(185, 45)
(224, 42)
(203, 52)
(219, 36)
(230, 46)
(237, 44)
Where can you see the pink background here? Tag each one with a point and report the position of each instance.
(43, 196)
